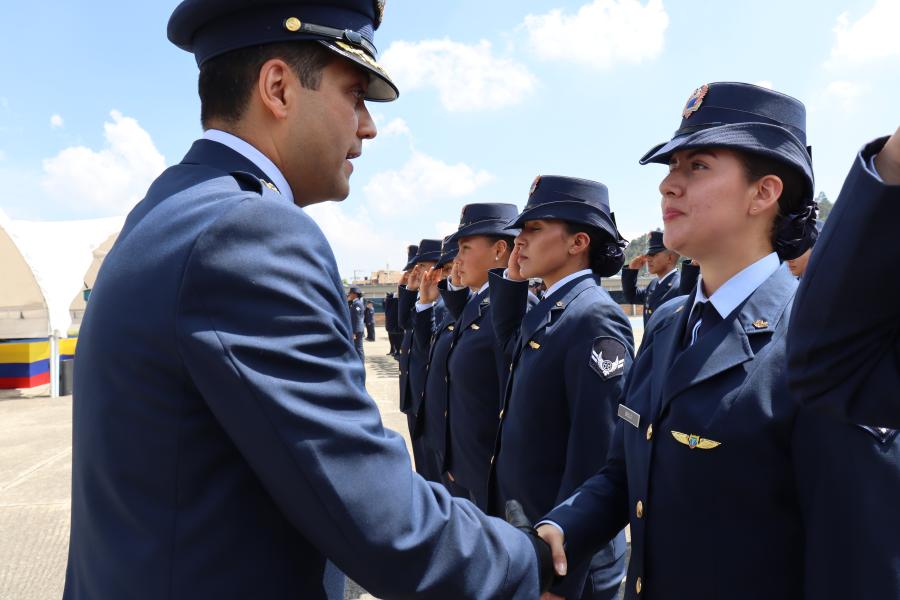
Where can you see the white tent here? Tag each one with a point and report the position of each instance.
(43, 266)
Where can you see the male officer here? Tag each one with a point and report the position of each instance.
(369, 319)
(661, 262)
(357, 320)
(224, 445)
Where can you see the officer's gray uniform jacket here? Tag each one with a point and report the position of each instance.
(224, 444)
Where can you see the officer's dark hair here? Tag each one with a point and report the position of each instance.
(605, 256)
(226, 81)
(792, 226)
(509, 239)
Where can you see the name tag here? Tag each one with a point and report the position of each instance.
(629, 415)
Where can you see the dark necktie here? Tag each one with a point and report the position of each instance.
(708, 316)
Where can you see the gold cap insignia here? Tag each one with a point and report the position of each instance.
(694, 441)
(760, 324)
(534, 345)
(693, 103)
(292, 24)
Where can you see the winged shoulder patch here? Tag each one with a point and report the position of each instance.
(608, 357)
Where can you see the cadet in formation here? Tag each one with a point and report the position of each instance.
(224, 445)
(476, 370)
(568, 359)
(662, 263)
(798, 265)
(705, 460)
(427, 254)
(369, 320)
(432, 339)
(357, 320)
(405, 304)
(391, 327)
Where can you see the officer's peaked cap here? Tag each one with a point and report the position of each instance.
(209, 28)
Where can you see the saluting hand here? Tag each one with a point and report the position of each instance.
(454, 274)
(428, 290)
(513, 271)
(415, 278)
(887, 162)
(638, 262)
(404, 279)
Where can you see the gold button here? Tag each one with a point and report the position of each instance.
(639, 510)
(292, 24)
(637, 585)
(649, 432)
(445, 414)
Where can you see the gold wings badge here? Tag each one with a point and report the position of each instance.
(695, 441)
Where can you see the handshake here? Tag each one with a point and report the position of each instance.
(548, 546)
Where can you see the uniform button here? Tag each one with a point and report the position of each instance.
(492, 460)
(445, 414)
(639, 509)
(649, 432)
(446, 379)
(501, 415)
(638, 585)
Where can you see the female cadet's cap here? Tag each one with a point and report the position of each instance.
(490, 218)
(744, 117)
(209, 28)
(411, 252)
(572, 200)
(449, 250)
(426, 251)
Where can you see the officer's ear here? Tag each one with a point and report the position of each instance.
(275, 76)
(580, 242)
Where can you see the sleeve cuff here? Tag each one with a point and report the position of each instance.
(870, 167)
(454, 288)
(420, 307)
(553, 523)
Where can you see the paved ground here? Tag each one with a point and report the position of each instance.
(35, 476)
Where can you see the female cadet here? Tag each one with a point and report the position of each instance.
(432, 337)
(476, 373)
(569, 356)
(701, 463)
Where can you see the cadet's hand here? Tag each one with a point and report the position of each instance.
(404, 279)
(888, 160)
(638, 262)
(555, 539)
(428, 290)
(454, 274)
(415, 278)
(515, 516)
(513, 272)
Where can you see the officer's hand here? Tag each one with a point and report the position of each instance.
(637, 263)
(454, 273)
(513, 272)
(515, 516)
(887, 162)
(555, 539)
(415, 278)
(428, 291)
(404, 279)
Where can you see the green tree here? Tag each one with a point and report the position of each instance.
(825, 205)
(636, 247)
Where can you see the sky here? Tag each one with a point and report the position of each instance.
(95, 103)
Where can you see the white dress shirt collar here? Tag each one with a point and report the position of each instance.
(566, 280)
(667, 275)
(739, 287)
(253, 155)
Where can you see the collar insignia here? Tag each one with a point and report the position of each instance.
(693, 441)
(694, 102)
(534, 345)
(760, 324)
(475, 326)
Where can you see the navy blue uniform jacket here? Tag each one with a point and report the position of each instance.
(406, 310)
(844, 353)
(224, 444)
(654, 295)
(707, 521)
(390, 315)
(559, 411)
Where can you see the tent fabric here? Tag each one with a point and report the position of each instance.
(43, 265)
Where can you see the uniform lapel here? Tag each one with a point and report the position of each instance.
(548, 309)
(472, 312)
(728, 344)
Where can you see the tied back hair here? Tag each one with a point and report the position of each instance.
(605, 254)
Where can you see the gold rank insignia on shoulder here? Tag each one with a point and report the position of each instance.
(534, 345)
(270, 185)
(760, 324)
(694, 441)
(475, 326)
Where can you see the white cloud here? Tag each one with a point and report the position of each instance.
(872, 37)
(765, 83)
(846, 92)
(419, 181)
(56, 121)
(601, 34)
(467, 77)
(354, 240)
(395, 126)
(112, 179)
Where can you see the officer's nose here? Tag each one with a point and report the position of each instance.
(367, 129)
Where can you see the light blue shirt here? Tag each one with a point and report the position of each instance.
(566, 280)
(253, 155)
(737, 289)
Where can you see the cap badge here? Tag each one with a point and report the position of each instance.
(363, 55)
(693, 441)
(292, 24)
(534, 185)
(694, 102)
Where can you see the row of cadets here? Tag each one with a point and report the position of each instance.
(568, 359)
(413, 363)
(663, 264)
(720, 472)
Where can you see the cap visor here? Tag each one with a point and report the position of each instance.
(381, 88)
